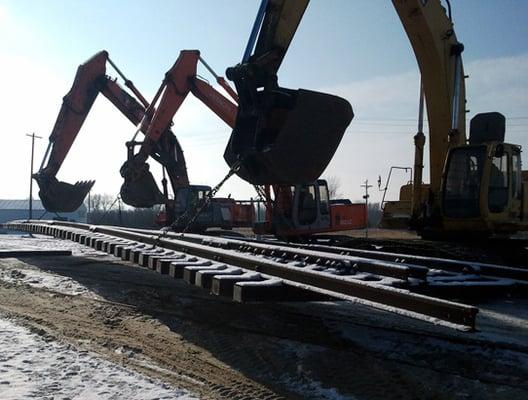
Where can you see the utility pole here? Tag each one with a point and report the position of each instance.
(32, 136)
(366, 197)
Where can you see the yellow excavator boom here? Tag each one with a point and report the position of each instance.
(437, 50)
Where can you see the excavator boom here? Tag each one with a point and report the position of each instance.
(438, 53)
(179, 81)
(279, 25)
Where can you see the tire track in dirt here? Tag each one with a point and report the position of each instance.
(149, 347)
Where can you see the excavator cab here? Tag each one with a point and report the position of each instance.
(281, 136)
(299, 210)
(483, 181)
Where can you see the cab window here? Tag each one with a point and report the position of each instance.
(516, 175)
(461, 194)
(307, 205)
(498, 184)
(197, 197)
(323, 196)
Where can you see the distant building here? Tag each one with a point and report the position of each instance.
(19, 209)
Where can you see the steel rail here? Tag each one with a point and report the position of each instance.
(430, 262)
(455, 313)
(375, 262)
(416, 263)
(379, 267)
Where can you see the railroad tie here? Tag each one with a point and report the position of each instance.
(189, 272)
(176, 268)
(204, 278)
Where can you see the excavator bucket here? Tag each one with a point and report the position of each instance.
(290, 139)
(139, 188)
(60, 196)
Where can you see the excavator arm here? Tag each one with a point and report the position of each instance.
(179, 81)
(278, 21)
(90, 80)
(281, 136)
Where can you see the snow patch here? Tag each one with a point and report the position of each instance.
(44, 279)
(303, 383)
(31, 367)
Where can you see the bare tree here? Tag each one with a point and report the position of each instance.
(106, 210)
(101, 202)
(334, 187)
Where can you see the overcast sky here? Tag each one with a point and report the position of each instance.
(353, 48)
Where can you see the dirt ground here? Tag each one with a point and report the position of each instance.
(212, 348)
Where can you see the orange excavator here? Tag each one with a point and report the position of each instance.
(179, 81)
(90, 80)
(299, 209)
(296, 209)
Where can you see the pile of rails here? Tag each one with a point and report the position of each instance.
(257, 271)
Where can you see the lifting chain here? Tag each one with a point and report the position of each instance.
(197, 210)
(212, 193)
(260, 192)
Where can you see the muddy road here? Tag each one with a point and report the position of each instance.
(212, 348)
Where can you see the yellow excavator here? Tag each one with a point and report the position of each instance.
(476, 183)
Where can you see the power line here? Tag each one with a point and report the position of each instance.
(410, 124)
(415, 119)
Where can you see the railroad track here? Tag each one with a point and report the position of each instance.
(247, 270)
(449, 277)
(511, 251)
